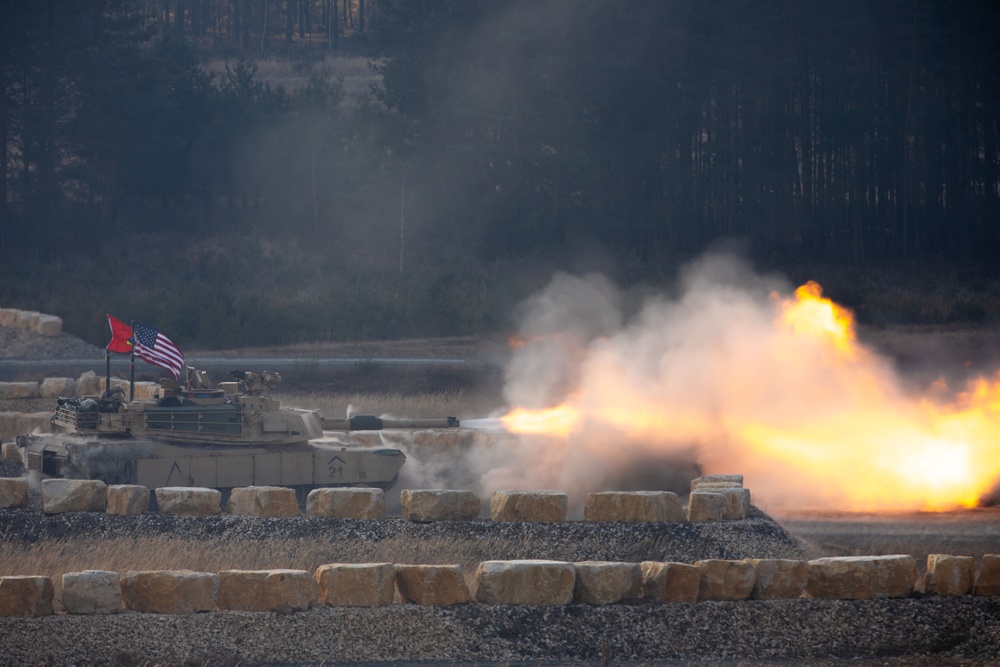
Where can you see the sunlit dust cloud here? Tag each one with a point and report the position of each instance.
(739, 374)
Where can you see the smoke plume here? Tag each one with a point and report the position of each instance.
(732, 375)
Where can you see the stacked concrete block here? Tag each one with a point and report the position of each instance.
(170, 591)
(861, 578)
(439, 505)
(718, 498)
(30, 320)
(140, 390)
(263, 501)
(725, 579)
(281, 591)
(26, 596)
(356, 585)
(91, 592)
(15, 423)
(127, 499)
(188, 501)
(57, 387)
(778, 578)
(10, 453)
(436, 585)
(704, 506)
(717, 482)
(530, 582)
(89, 384)
(349, 503)
(18, 390)
(669, 582)
(987, 581)
(646, 506)
(13, 492)
(948, 575)
(600, 582)
(73, 495)
(531, 506)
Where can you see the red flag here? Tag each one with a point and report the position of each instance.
(121, 335)
(154, 348)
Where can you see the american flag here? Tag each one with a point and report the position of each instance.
(154, 348)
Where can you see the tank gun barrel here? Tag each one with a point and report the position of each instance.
(373, 423)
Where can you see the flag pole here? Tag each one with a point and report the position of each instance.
(131, 368)
(107, 372)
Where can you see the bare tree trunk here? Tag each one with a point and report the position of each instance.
(4, 223)
(335, 29)
(263, 32)
(402, 223)
(361, 15)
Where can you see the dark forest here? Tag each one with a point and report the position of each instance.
(153, 170)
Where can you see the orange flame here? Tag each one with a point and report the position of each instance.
(804, 409)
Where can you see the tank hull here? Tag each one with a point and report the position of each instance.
(157, 464)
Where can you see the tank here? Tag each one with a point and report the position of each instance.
(223, 437)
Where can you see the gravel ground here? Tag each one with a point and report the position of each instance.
(912, 631)
(898, 631)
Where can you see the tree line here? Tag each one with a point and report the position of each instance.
(500, 132)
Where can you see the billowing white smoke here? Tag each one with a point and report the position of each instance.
(579, 342)
(731, 375)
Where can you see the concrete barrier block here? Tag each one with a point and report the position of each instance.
(439, 505)
(778, 578)
(602, 582)
(13, 492)
(188, 501)
(987, 580)
(10, 453)
(16, 423)
(948, 575)
(48, 325)
(531, 506)
(91, 592)
(346, 503)
(432, 585)
(527, 582)
(88, 384)
(170, 591)
(356, 585)
(263, 501)
(7, 317)
(861, 578)
(26, 320)
(127, 499)
(280, 591)
(705, 506)
(717, 482)
(57, 387)
(73, 495)
(736, 504)
(669, 582)
(724, 579)
(26, 596)
(18, 390)
(633, 506)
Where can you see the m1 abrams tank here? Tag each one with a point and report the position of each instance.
(220, 437)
